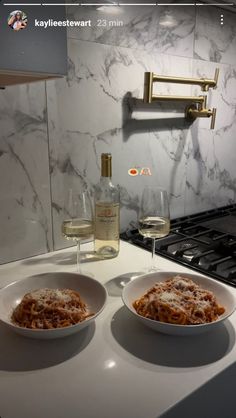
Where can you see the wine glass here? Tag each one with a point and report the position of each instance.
(79, 222)
(154, 217)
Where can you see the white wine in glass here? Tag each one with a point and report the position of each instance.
(79, 225)
(154, 227)
(154, 217)
(77, 228)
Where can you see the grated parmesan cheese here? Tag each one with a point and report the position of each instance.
(182, 298)
(56, 294)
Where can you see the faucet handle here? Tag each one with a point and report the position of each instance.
(216, 77)
(213, 118)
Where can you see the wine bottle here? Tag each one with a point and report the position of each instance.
(107, 212)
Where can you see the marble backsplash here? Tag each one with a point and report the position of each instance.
(25, 204)
(52, 134)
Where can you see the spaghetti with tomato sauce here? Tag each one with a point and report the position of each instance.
(179, 300)
(50, 308)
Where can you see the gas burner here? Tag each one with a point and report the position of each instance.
(205, 242)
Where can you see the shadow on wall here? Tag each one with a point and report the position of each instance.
(196, 154)
(171, 124)
(132, 125)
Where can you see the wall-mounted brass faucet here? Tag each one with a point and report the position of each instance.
(192, 112)
(163, 98)
(198, 106)
(205, 83)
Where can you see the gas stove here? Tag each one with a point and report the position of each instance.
(205, 242)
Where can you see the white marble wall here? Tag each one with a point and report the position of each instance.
(91, 113)
(142, 28)
(214, 42)
(25, 204)
(211, 171)
(98, 108)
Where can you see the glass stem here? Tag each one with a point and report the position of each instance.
(153, 250)
(77, 256)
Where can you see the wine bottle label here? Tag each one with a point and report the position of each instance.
(107, 222)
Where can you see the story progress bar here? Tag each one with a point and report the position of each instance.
(118, 4)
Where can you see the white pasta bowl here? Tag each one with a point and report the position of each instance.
(139, 286)
(91, 291)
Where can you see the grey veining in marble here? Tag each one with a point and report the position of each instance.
(211, 174)
(99, 78)
(213, 41)
(98, 108)
(25, 219)
(154, 29)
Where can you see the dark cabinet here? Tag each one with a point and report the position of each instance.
(34, 52)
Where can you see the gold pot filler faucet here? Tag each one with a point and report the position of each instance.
(197, 105)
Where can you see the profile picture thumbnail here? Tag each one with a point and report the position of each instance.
(17, 20)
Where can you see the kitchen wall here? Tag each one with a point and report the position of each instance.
(52, 134)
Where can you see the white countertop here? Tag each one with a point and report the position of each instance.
(116, 368)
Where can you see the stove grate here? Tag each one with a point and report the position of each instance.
(199, 247)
